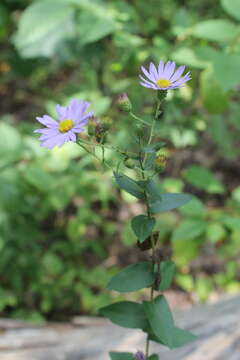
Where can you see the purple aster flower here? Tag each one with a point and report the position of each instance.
(71, 121)
(139, 355)
(163, 77)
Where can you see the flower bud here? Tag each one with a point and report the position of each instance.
(129, 163)
(160, 163)
(161, 159)
(124, 103)
(139, 355)
(92, 125)
(99, 133)
(106, 123)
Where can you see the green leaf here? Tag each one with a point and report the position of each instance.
(232, 223)
(194, 208)
(189, 229)
(132, 278)
(169, 201)
(215, 100)
(153, 357)
(160, 318)
(95, 25)
(167, 272)
(203, 179)
(215, 30)
(225, 68)
(181, 337)
(191, 250)
(126, 314)
(129, 185)
(39, 178)
(152, 189)
(232, 7)
(10, 144)
(142, 226)
(219, 130)
(153, 147)
(121, 356)
(42, 26)
(215, 232)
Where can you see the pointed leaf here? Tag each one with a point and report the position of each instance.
(182, 337)
(153, 190)
(126, 314)
(142, 226)
(129, 185)
(160, 318)
(232, 7)
(132, 278)
(167, 272)
(169, 201)
(121, 356)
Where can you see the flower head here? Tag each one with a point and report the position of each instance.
(124, 103)
(71, 120)
(139, 355)
(163, 77)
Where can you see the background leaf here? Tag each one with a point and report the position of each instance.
(42, 26)
(203, 179)
(232, 7)
(215, 30)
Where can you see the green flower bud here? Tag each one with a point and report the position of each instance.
(99, 133)
(129, 163)
(106, 123)
(124, 103)
(160, 162)
(92, 126)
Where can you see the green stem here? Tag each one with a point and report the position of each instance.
(94, 155)
(142, 162)
(139, 119)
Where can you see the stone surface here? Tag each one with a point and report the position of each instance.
(217, 327)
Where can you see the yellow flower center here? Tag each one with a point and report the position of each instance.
(163, 83)
(65, 125)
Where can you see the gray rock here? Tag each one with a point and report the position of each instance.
(217, 327)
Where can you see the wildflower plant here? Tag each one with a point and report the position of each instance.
(148, 157)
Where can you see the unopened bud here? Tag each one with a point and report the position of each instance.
(129, 163)
(160, 162)
(139, 356)
(106, 123)
(92, 126)
(99, 133)
(124, 103)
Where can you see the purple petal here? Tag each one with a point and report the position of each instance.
(160, 69)
(58, 140)
(84, 119)
(170, 70)
(61, 110)
(153, 71)
(47, 121)
(178, 73)
(166, 68)
(45, 131)
(149, 86)
(72, 136)
(146, 81)
(146, 73)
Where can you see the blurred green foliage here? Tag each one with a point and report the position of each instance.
(61, 226)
